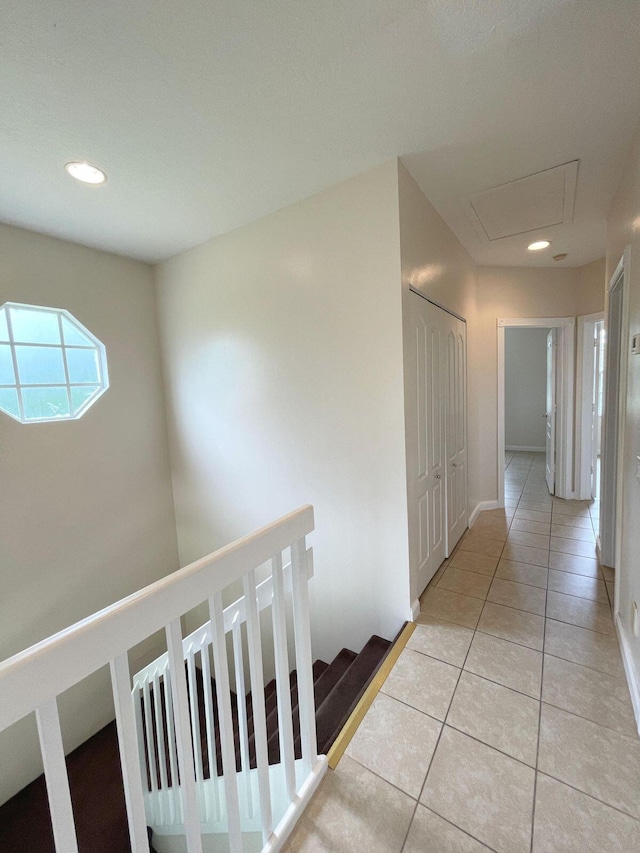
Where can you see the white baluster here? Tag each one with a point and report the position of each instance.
(138, 701)
(126, 725)
(162, 757)
(195, 714)
(151, 750)
(171, 738)
(241, 697)
(225, 721)
(185, 752)
(302, 633)
(283, 686)
(55, 773)
(254, 642)
(211, 733)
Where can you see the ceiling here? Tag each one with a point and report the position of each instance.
(208, 114)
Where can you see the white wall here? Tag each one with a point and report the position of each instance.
(525, 381)
(623, 230)
(282, 347)
(86, 511)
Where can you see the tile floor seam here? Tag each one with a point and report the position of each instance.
(424, 781)
(413, 707)
(535, 779)
(591, 797)
(506, 686)
(587, 719)
(593, 630)
(585, 665)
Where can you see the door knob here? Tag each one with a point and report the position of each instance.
(437, 476)
(454, 465)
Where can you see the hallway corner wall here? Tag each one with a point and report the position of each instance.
(435, 263)
(86, 507)
(624, 229)
(282, 349)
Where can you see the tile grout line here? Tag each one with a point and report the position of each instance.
(444, 722)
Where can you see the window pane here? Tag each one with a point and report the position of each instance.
(35, 326)
(48, 402)
(6, 366)
(79, 396)
(4, 331)
(40, 365)
(73, 335)
(82, 365)
(9, 401)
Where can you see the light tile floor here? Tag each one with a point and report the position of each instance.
(506, 723)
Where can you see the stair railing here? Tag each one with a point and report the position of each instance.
(32, 680)
(152, 701)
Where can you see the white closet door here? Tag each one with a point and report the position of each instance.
(456, 430)
(426, 458)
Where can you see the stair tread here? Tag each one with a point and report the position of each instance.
(338, 705)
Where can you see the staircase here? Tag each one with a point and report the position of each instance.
(94, 768)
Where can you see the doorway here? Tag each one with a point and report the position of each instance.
(590, 405)
(550, 417)
(614, 397)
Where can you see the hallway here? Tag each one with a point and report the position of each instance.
(506, 723)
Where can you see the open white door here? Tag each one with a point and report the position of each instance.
(552, 349)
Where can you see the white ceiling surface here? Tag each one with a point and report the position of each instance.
(208, 114)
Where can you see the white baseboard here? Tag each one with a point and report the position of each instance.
(415, 610)
(526, 447)
(482, 507)
(630, 671)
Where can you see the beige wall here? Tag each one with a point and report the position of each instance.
(86, 511)
(435, 263)
(623, 230)
(282, 346)
(590, 286)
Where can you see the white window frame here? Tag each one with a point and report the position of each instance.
(103, 376)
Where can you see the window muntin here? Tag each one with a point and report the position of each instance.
(51, 366)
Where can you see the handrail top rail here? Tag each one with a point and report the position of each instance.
(201, 636)
(55, 664)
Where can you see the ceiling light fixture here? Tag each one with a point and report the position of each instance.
(539, 244)
(560, 257)
(86, 173)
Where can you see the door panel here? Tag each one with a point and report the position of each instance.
(550, 441)
(425, 448)
(436, 437)
(456, 432)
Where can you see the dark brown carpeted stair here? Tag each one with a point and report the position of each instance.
(94, 768)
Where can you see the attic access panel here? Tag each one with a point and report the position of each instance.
(528, 204)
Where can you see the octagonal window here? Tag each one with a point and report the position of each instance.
(51, 367)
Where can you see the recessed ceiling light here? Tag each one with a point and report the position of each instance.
(539, 244)
(560, 257)
(85, 172)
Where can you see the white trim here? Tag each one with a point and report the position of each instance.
(584, 413)
(633, 680)
(623, 270)
(415, 610)
(564, 444)
(525, 448)
(483, 506)
(296, 808)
